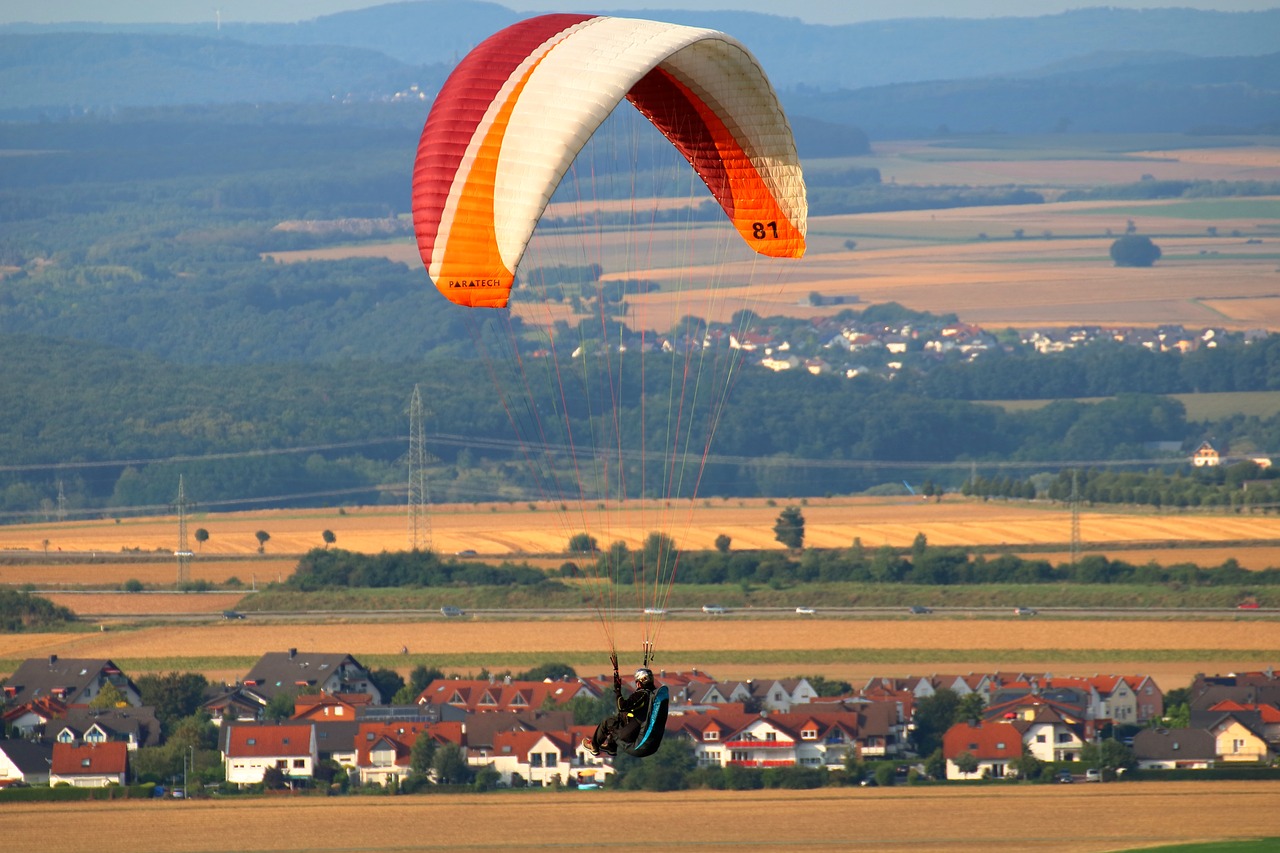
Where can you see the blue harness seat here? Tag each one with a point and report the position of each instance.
(654, 727)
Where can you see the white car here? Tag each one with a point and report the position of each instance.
(654, 611)
(715, 609)
(807, 611)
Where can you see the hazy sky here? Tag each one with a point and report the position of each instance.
(813, 11)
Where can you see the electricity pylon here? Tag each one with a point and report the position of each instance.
(419, 497)
(184, 549)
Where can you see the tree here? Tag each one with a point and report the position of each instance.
(451, 766)
(174, 696)
(582, 543)
(280, 707)
(789, 528)
(1133, 250)
(388, 681)
(422, 755)
(202, 536)
(966, 763)
(553, 671)
(262, 536)
(108, 697)
(722, 543)
(328, 538)
(934, 715)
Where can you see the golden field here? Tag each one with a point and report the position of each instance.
(510, 530)
(1042, 818)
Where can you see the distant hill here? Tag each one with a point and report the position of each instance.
(796, 54)
(1094, 70)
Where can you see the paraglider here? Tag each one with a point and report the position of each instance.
(518, 108)
(507, 128)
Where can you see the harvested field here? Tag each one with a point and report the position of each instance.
(500, 530)
(145, 604)
(161, 572)
(1085, 818)
(834, 648)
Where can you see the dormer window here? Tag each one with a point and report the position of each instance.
(808, 734)
(711, 734)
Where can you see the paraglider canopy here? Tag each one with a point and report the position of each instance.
(519, 107)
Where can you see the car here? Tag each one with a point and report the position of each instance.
(1024, 611)
(920, 609)
(1248, 605)
(1064, 776)
(807, 611)
(232, 614)
(654, 611)
(451, 611)
(465, 552)
(1093, 774)
(715, 609)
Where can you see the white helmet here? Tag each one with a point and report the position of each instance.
(644, 675)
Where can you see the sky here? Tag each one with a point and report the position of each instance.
(811, 11)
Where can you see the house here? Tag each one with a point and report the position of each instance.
(24, 762)
(1174, 749)
(31, 718)
(1048, 734)
(474, 695)
(336, 742)
(89, 765)
(540, 758)
(234, 704)
(131, 726)
(323, 706)
(995, 747)
(1267, 718)
(250, 749)
(1205, 456)
(72, 681)
(727, 738)
(781, 695)
(384, 750)
(1238, 736)
(298, 672)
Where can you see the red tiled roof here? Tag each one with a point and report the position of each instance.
(89, 759)
(244, 741)
(985, 741)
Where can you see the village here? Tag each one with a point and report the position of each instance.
(523, 733)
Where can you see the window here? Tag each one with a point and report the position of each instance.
(1237, 745)
(535, 759)
(739, 755)
(770, 736)
(84, 762)
(281, 764)
(300, 763)
(252, 741)
(711, 734)
(808, 734)
(1042, 739)
(550, 759)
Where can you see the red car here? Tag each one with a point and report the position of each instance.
(1248, 605)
